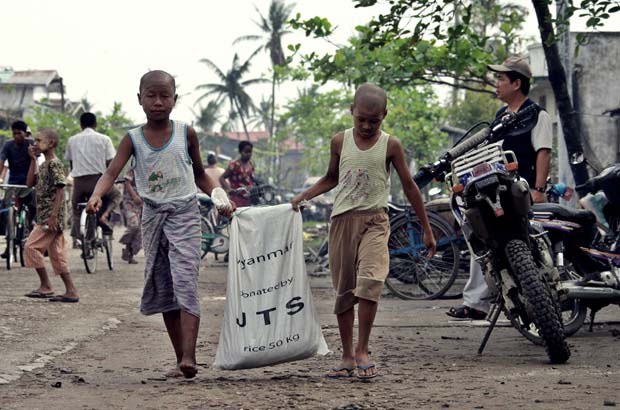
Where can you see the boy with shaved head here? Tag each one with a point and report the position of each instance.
(49, 182)
(359, 167)
(167, 169)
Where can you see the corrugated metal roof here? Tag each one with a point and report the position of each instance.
(33, 77)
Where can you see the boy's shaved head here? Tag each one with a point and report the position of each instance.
(50, 134)
(370, 95)
(157, 75)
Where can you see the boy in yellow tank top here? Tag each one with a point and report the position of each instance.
(359, 166)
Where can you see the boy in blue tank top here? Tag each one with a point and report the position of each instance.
(359, 167)
(167, 170)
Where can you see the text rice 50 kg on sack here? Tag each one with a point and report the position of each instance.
(269, 316)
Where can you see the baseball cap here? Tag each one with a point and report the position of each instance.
(514, 63)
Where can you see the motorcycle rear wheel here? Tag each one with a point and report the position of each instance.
(537, 300)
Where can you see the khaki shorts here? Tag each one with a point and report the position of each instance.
(54, 242)
(358, 256)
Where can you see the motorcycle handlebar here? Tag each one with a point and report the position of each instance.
(423, 177)
(588, 187)
(469, 143)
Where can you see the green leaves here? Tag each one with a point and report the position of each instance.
(420, 42)
(114, 125)
(317, 26)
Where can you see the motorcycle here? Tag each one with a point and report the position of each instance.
(492, 204)
(586, 253)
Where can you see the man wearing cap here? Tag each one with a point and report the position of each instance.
(533, 152)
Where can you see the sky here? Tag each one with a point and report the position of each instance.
(101, 48)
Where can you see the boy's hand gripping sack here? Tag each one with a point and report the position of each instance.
(269, 316)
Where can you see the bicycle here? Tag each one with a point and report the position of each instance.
(319, 256)
(412, 275)
(17, 224)
(213, 228)
(93, 241)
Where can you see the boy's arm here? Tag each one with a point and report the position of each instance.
(125, 151)
(33, 169)
(132, 192)
(396, 156)
(224, 179)
(3, 157)
(52, 221)
(202, 179)
(327, 182)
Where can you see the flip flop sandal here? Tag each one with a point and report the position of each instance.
(63, 299)
(338, 372)
(464, 312)
(366, 367)
(39, 295)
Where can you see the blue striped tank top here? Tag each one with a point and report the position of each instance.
(164, 174)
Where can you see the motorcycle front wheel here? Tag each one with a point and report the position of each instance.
(534, 298)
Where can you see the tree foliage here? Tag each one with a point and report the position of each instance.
(420, 42)
(312, 119)
(208, 116)
(114, 125)
(472, 108)
(232, 87)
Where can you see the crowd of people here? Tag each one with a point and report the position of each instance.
(162, 213)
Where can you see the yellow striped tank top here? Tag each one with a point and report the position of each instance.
(363, 181)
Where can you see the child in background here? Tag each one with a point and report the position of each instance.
(47, 234)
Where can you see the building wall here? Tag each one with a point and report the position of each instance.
(597, 75)
(596, 87)
(15, 97)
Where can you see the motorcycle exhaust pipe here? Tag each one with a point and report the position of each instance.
(574, 291)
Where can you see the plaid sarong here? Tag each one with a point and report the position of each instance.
(171, 238)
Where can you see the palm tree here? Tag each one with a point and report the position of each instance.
(261, 115)
(232, 87)
(208, 116)
(273, 30)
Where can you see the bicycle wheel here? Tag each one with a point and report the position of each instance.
(89, 244)
(413, 276)
(207, 236)
(10, 236)
(107, 247)
(21, 234)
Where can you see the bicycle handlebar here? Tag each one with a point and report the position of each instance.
(8, 186)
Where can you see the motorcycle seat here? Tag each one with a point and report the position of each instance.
(579, 216)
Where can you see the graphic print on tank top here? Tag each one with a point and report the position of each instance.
(357, 181)
(164, 174)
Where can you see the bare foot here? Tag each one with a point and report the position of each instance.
(174, 372)
(188, 369)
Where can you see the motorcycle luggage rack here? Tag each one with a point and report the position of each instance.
(492, 154)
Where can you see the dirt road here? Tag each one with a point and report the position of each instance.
(102, 354)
